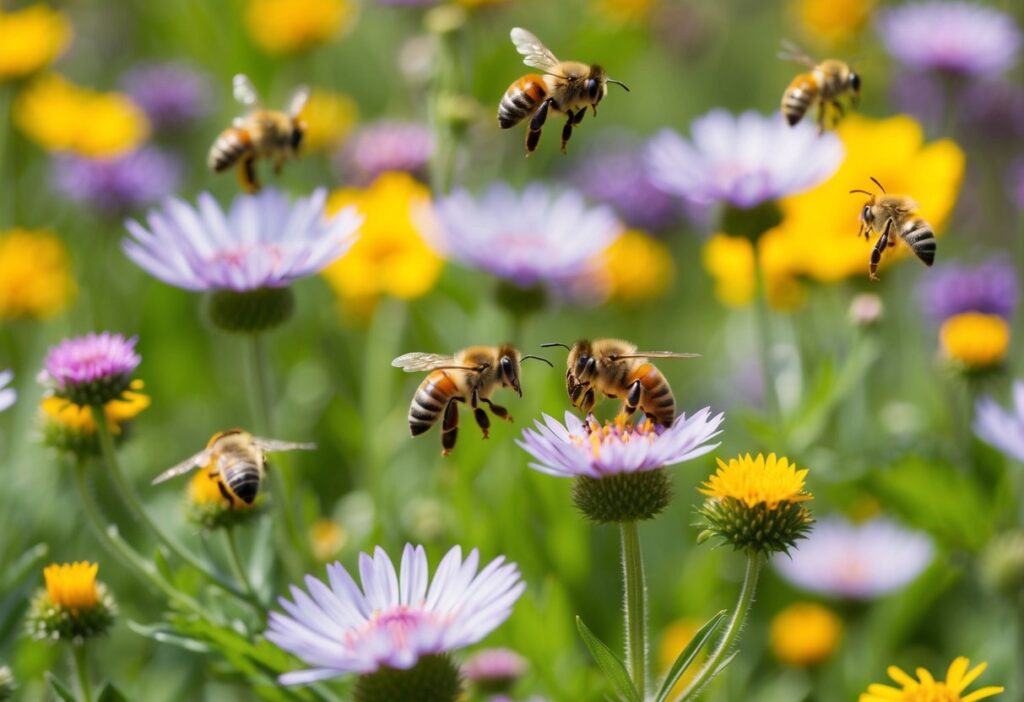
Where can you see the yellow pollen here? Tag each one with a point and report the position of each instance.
(79, 418)
(72, 586)
(760, 480)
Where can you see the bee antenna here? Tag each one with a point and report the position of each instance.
(619, 83)
(875, 181)
(539, 358)
(863, 191)
(556, 343)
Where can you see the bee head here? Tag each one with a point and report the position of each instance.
(582, 362)
(867, 215)
(507, 372)
(854, 81)
(595, 86)
(298, 131)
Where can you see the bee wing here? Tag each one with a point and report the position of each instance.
(200, 459)
(271, 445)
(299, 99)
(658, 354)
(535, 54)
(416, 361)
(791, 52)
(245, 91)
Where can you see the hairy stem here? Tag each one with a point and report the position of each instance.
(237, 566)
(765, 341)
(635, 601)
(80, 656)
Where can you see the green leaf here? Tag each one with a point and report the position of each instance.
(111, 694)
(159, 633)
(59, 688)
(714, 674)
(688, 654)
(608, 662)
(27, 562)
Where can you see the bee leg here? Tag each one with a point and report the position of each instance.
(632, 398)
(839, 110)
(567, 130)
(880, 245)
(578, 117)
(575, 393)
(821, 117)
(587, 404)
(482, 420)
(450, 428)
(536, 124)
(278, 165)
(247, 175)
(499, 411)
(225, 494)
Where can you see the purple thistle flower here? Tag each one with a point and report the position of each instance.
(743, 160)
(7, 394)
(395, 618)
(118, 184)
(91, 369)
(1003, 429)
(172, 94)
(989, 287)
(386, 146)
(264, 241)
(587, 449)
(958, 37)
(536, 237)
(840, 559)
(494, 667)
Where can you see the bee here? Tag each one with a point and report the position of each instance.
(261, 133)
(885, 213)
(822, 86)
(616, 369)
(565, 88)
(471, 375)
(236, 460)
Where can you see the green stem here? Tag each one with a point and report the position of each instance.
(129, 495)
(765, 342)
(79, 654)
(237, 566)
(711, 667)
(635, 600)
(258, 368)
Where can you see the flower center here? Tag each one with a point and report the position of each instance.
(615, 432)
(238, 256)
(931, 692)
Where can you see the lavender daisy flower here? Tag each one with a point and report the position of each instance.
(840, 559)
(386, 146)
(989, 287)
(958, 37)
(494, 669)
(172, 94)
(118, 184)
(742, 161)
(1002, 428)
(7, 394)
(396, 622)
(92, 369)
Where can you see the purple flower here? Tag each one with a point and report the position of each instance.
(531, 238)
(172, 94)
(959, 37)
(264, 241)
(91, 369)
(394, 619)
(7, 394)
(1016, 183)
(386, 146)
(840, 559)
(117, 184)
(953, 288)
(742, 160)
(587, 449)
(1003, 429)
(494, 666)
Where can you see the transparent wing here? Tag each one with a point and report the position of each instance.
(416, 361)
(789, 51)
(658, 354)
(200, 459)
(271, 445)
(245, 91)
(535, 54)
(299, 99)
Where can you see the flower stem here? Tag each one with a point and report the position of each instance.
(129, 495)
(755, 562)
(765, 341)
(79, 655)
(635, 605)
(237, 566)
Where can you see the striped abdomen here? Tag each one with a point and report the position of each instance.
(799, 96)
(920, 238)
(242, 477)
(230, 146)
(430, 400)
(521, 99)
(656, 397)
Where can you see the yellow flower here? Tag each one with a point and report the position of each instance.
(625, 11)
(832, 21)
(35, 276)
(390, 257)
(326, 539)
(61, 116)
(72, 586)
(674, 639)
(756, 481)
(805, 634)
(30, 39)
(329, 119)
(78, 419)
(926, 688)
(480, 3)
(730, 261)
(289, 26)
(637, 267)
(975, 340)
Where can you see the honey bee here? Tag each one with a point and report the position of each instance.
(261, 133)
(884, 213)
(237, 462)
(616, 369)
(565, 88)
(471, 375)
(823, 86)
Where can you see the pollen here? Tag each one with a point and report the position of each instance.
(72, 586)
(756, 481)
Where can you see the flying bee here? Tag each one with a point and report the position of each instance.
(261, 133)
(823, 86)
(884, 213)
(565, 88)
(616, 369)
(471, 375)
(236, 460)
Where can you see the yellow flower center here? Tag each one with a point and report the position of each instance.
(78, 418)
(329, 118)
(804, 634)
(760, 480)
(617, 431)
(833, 21)
(72, 586)
(35, 275)
(637, 267)
(326, 538)
(925, 688)
(30, 39)
(974, 339)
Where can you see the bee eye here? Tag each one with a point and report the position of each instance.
(506, 366)
(592, 88)
(855, 82)
(296, 136)
(866, 214)
(581, 365)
